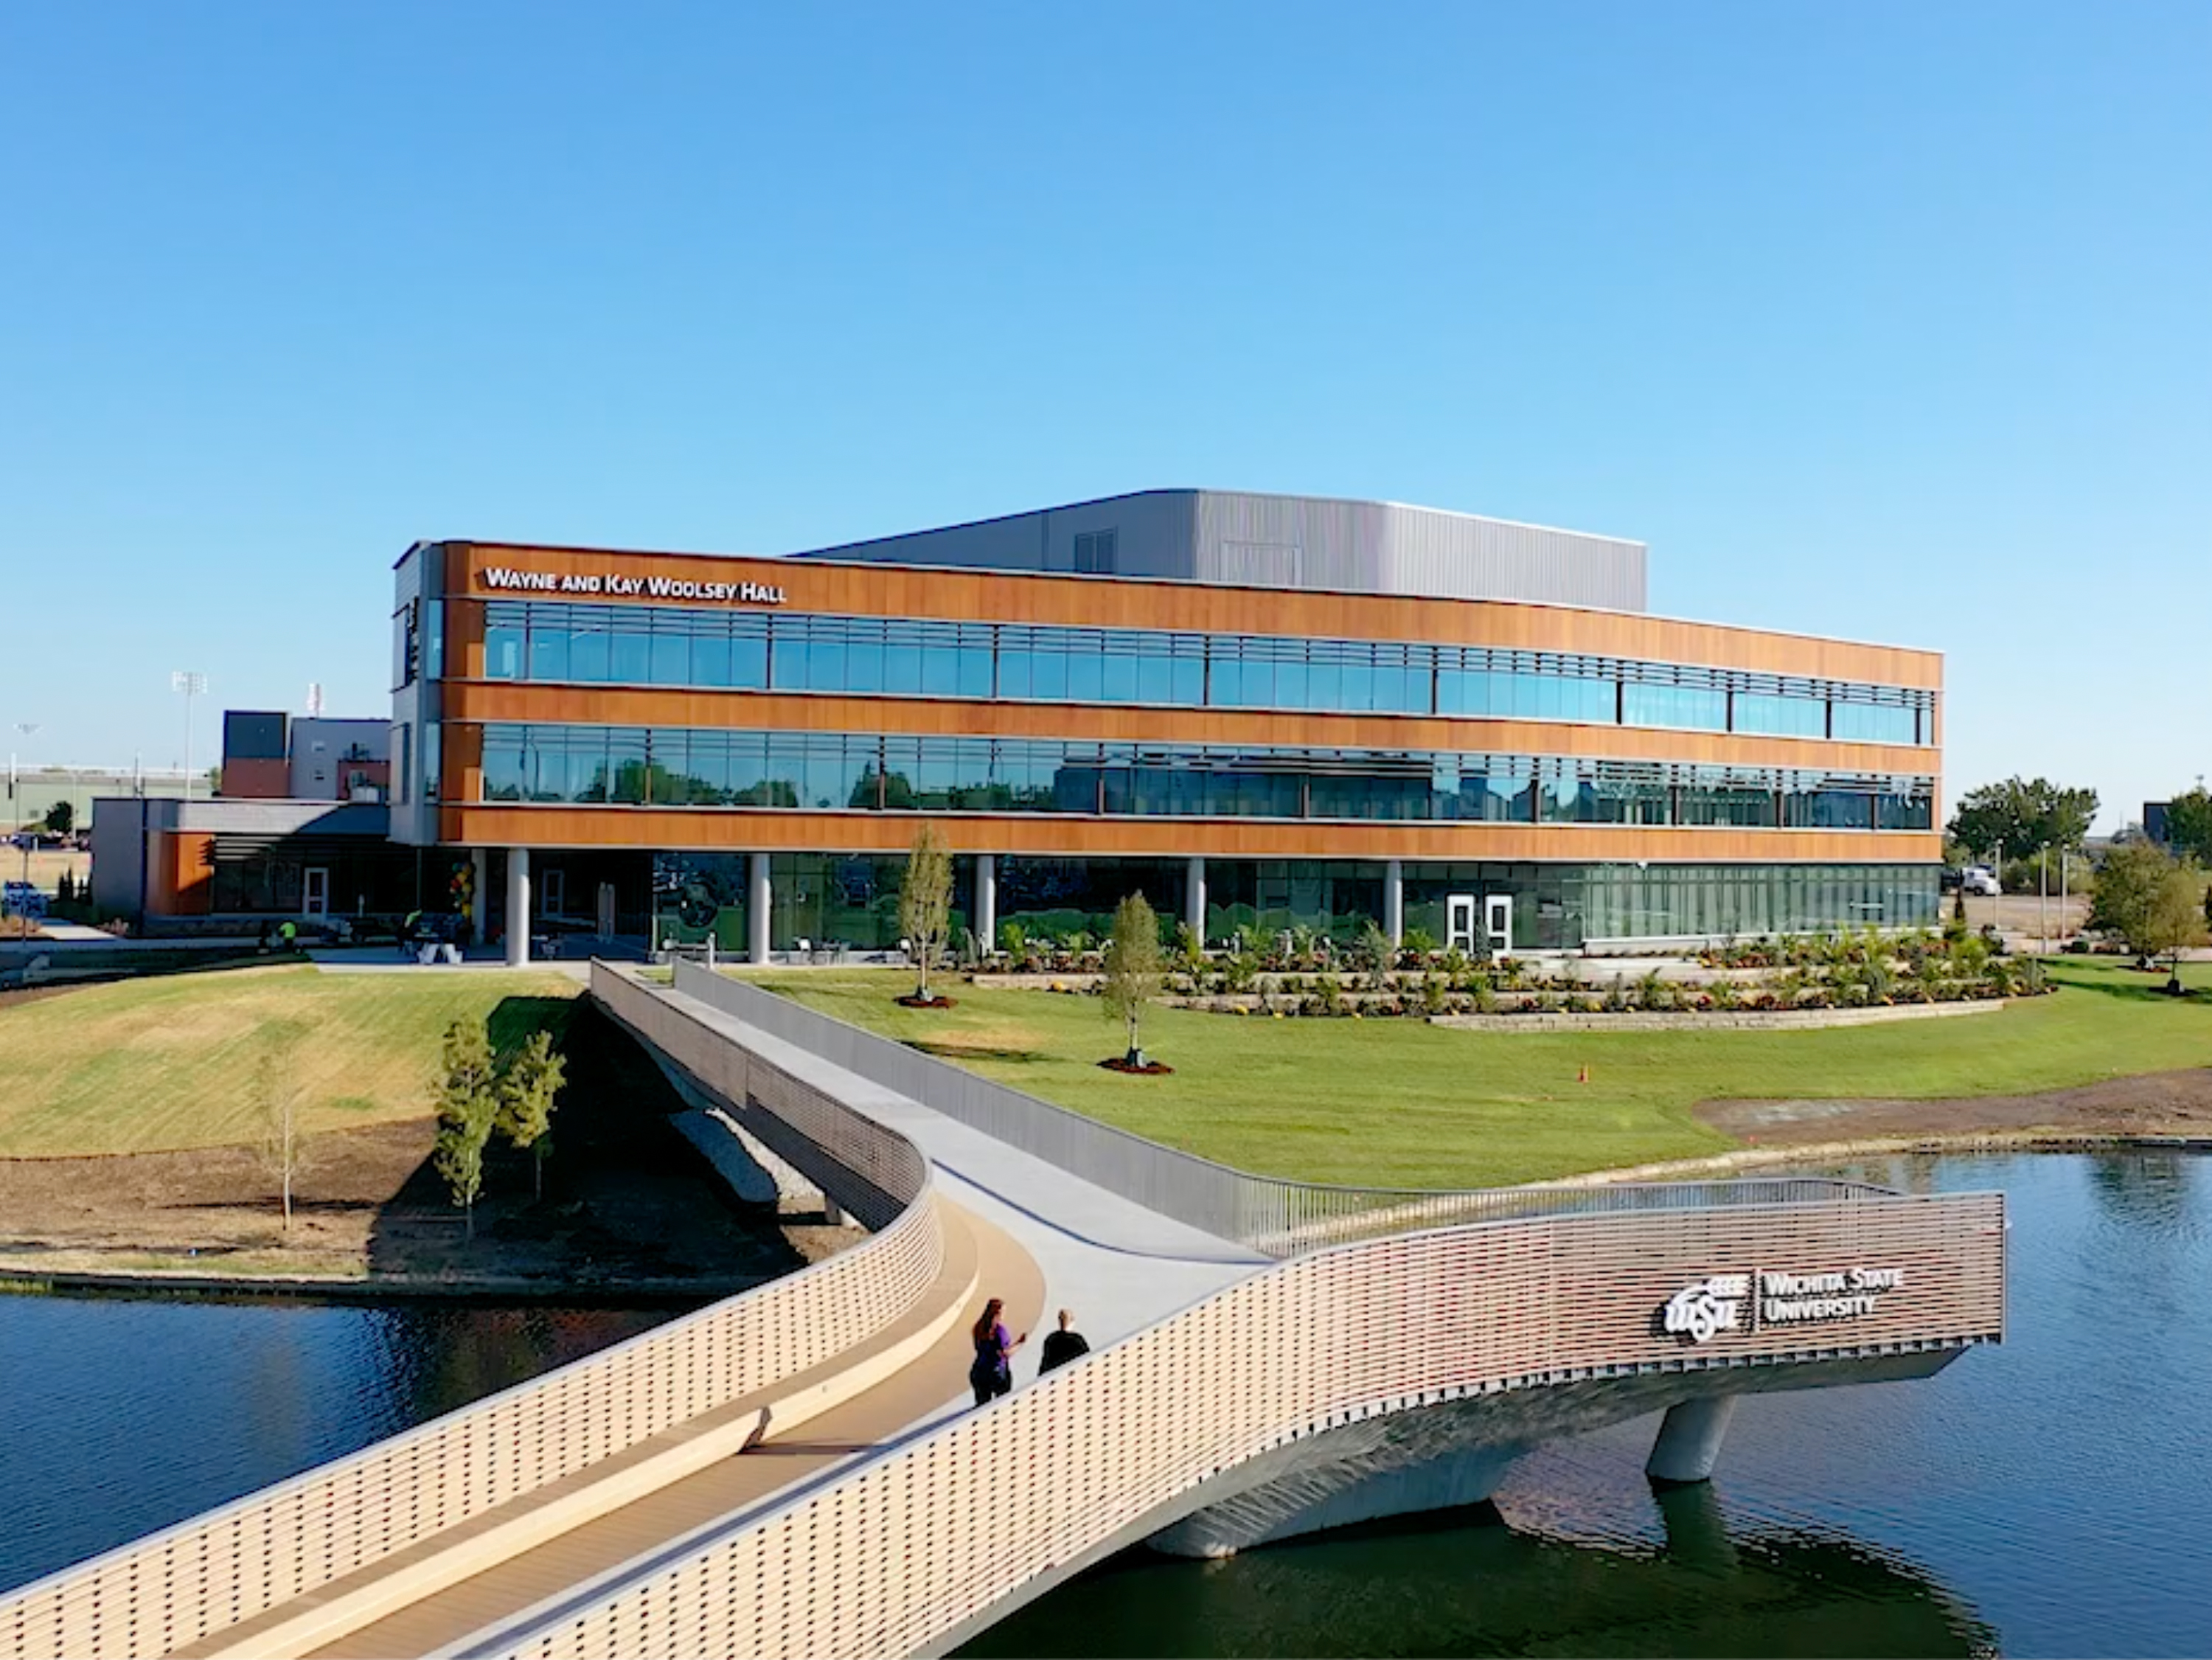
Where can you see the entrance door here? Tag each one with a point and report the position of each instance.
(607, 910)
(1459, 924)
(552, 894)
(1497, 922)
(315, 892)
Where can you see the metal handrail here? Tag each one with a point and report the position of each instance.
(1277, 1215)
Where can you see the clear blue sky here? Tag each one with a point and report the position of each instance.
(1886, 321)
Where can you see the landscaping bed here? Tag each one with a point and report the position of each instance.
(1402, 1103)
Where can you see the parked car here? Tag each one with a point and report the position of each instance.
(21, 899)
(1980, 881)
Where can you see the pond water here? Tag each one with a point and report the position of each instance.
(127, 1413)
(2050, 1496)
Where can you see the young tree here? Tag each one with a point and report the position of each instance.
(61, 817)
(2021, 815)
(2149, 899)
(1133, 969)
(2189, 826)
(528, 1085)
(926, 903)
(467, 1097)
(2172, 922)
(276, 1096)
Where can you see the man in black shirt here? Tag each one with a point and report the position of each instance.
(1062, 1345)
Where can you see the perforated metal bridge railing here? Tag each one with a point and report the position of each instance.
(1521, 1289)
(1269, 1213)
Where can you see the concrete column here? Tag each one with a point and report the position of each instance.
(1394, 901)
(986, 903)
(1689, 1440)
(480, 893)
(518, 906)
(1193, 897)
(756, 908)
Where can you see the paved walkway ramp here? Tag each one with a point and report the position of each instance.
(796, 1470)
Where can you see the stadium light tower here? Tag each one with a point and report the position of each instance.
(191, 683)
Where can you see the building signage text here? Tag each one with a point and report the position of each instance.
(1745, 1302)
(614, 584)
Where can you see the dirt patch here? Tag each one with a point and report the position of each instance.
(2175, 1103)
(911, 1001)
(1149, 1069)
(627, 1204)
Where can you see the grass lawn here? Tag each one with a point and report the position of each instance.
(170, 1062)
(1402, 1103)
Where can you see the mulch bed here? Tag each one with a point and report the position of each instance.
(1149, 1069)
(910, 1001)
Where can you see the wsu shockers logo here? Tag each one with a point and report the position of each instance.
(1700, 1310)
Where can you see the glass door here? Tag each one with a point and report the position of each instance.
(1497, 923)
(1459, 924)
(315, 895)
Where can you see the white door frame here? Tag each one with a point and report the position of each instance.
(1497, 923)
(607, 910)
(1459, 923)
(315, 891)
(552, 892)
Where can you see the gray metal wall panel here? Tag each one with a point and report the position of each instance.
(1299, 542)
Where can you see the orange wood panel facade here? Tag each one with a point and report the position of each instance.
(758, 830)
(181, 881)
(874, 590)
(622, 705)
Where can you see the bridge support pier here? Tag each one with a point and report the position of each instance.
(1689, 1440)
(756, 908)
(986, 903)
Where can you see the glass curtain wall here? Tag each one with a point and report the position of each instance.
(750, 651)
(859, 771)
(1561, 907)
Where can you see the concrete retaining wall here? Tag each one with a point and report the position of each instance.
(1742, 1020)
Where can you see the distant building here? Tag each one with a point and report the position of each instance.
(34, 792)
(268, 756)
(300, 828)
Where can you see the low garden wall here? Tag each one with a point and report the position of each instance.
(1739, 1020)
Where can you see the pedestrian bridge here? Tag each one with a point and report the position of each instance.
(796, 1470)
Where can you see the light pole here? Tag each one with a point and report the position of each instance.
(2042, 905)
(191, 683)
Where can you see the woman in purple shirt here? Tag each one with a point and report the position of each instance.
(992, 1374)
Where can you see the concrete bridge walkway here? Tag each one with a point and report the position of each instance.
(1015, 1227)
(798, 1471)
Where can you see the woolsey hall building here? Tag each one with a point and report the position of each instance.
(1262, 711)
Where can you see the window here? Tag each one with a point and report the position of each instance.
(406, 649)
(1094, 553)
(837, 771)
(689, 646)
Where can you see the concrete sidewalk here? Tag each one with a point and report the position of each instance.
(1118, 1266)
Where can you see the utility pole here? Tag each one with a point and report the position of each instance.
(191, 683)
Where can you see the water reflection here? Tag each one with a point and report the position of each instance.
(1691, 1586)
(2050, 1497)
